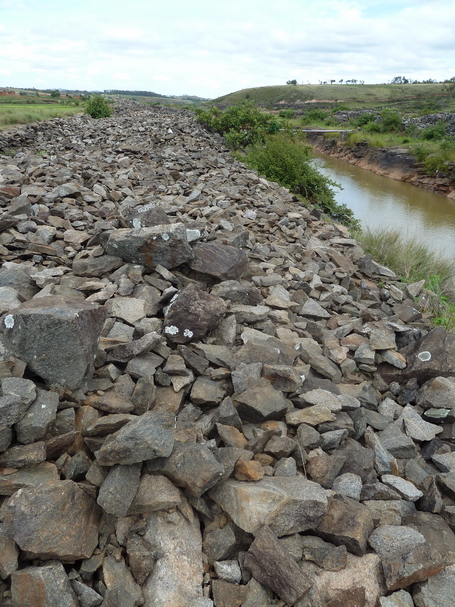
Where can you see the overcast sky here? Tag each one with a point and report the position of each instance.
(209, 48)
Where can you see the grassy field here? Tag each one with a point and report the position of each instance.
(348, 95)
(15, 113)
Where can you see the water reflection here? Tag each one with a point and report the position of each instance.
(381, 202)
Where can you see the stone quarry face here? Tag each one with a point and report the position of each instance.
(206, 397)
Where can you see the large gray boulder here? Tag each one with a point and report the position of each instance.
(56, 337)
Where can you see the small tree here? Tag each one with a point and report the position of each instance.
(294, 82)
(98, 107)
(55, 94)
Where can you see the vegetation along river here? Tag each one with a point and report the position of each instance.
(382, 202)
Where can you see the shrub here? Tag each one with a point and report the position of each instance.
(391, 121)
(363, 119)
(315, 115)
(286, 114)
(98, 107)
(436, 131)
(285, 159)
(242, 124)
(373, 127)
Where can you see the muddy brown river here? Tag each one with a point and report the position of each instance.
(381, 202)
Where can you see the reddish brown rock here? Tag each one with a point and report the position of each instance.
(46, 586)
(56, 520)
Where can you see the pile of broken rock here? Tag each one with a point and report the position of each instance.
(206, 396)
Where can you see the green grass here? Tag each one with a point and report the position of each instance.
(12, 114)
(350, 95)
(412, 262)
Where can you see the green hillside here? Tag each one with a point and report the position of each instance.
(351, 95)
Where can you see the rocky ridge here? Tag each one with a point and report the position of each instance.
(209, 395)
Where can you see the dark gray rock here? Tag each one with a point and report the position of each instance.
(8, 553)
(18, 395)
(192, 315)
(57, 338)
(166, 245)
(119, 488)
(261, 403)
(147, 437)
(271, 565)
(193, 467)
(39, 416)
(219, 260)
(346, 522)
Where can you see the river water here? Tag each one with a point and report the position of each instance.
(381, 202)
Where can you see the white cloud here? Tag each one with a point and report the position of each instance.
(209, 49)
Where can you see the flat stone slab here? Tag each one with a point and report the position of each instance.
(166, 245)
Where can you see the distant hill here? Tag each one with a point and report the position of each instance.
(150, 97)
(302, 95)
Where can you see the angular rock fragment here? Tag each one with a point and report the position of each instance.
(271, 565)
(176, 578)
(147, 437)
(346, 522)
(55, 520)
(191, 466)
(192, 315)
(39, 416)
(18, 395)
(166, 245)
(8, 553)
(219, 260)
(57, 338)
(286, 504)
(45, 586)
(405, 555)
(119, 488)
(261, 403)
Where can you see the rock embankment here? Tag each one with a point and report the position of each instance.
(396, 163)
(209, 395)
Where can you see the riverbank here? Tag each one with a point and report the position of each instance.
(396, 163)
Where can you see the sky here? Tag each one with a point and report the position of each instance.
(209, 48)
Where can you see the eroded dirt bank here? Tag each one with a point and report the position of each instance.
(396, 163)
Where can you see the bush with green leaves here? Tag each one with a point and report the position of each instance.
(391, 121)
(364, 119)
(315, 115)
(286, 114)
(286, 159)
(435, 131)
(98, 107)
(241, 125)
